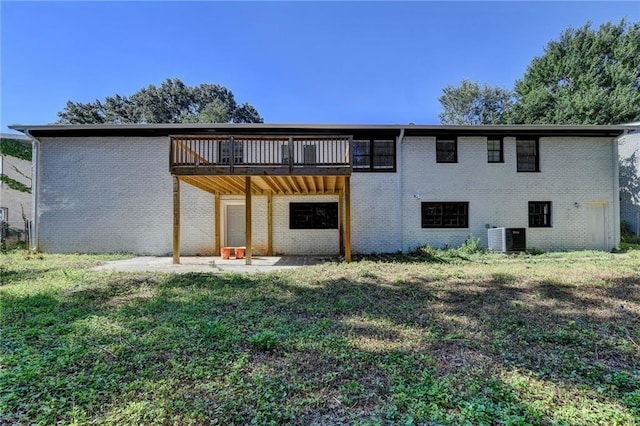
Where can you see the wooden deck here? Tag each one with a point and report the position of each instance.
(260, 155)
(262, 165)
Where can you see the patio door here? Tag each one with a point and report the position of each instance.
(235, 225)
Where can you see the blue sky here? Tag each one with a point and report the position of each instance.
(296, 62)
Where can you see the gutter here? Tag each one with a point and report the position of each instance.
(399, 171)
(34, 239)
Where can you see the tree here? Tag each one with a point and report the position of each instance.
(213, 112)
(171, 102)
(470, 103)
(21, 150)
(586, 77)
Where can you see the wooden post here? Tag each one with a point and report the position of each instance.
(290, 154)
(341, 221)
(176, 220)
(247, 218)
(232, 153)
(216, 229)
(269, 224)
(347, 222)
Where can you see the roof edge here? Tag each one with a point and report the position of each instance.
(411, 129)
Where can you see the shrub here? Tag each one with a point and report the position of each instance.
(471, 245)
(534, 251)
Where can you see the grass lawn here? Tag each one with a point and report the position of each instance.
(435, 339)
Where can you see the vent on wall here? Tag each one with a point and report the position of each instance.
(507, 239)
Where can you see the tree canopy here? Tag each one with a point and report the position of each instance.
(471, 103)
(588, 76)
(18, 149)
(171, 102)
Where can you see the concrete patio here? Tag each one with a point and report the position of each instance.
(210, 264)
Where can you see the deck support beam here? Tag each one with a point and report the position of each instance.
(216, 229)
(269, 224)
(247, 217)
(347, 222)
(341, 222)
(176, 220)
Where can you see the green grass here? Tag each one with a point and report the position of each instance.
(438, 337)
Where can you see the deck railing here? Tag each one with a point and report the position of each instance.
(247, 152)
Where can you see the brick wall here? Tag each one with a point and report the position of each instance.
(115, 194)
(302, 241)
(570, 172)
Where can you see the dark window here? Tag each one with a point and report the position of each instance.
(378, 155)
(539, 214)
(494, 151)
(445, 215)
(446, 151)
(527, 153)
(238, 157)
(309, 154)
(313, 216)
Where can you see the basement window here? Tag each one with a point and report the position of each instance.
(539, 214)
(313, 215)
(445, 215)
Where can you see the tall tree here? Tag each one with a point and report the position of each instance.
(471, 103)
(171, 102)
(586, 77)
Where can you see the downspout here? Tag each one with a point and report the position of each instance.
(35, 225)
(616, 195)
(399, 171)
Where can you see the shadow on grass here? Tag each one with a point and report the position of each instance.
(187, 348)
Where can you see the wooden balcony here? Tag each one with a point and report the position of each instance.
(262, 165)
(260, 155)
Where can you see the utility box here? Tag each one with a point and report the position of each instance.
(506, 240)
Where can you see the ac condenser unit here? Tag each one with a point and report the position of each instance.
(507, 239)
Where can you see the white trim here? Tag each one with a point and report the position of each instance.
(34, 238)
(616, 196)
(400, 189)
(223, 218)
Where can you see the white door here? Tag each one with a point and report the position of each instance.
(234, 234)
(596, 230)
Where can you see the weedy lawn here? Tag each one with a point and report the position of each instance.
(436, 338)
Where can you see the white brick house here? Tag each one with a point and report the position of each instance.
(321, 189)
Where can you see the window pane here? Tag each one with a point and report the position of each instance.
(373, 154)
(527, 152)
(445, 215)
(494, 150)
(309, 154)
(313, 216)
(361, 153)
(383, 154)
(539, 214)
(238, 150)
(445, 151)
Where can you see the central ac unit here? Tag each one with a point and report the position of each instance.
(507, 239)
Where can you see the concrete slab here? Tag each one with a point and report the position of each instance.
(212, 264)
